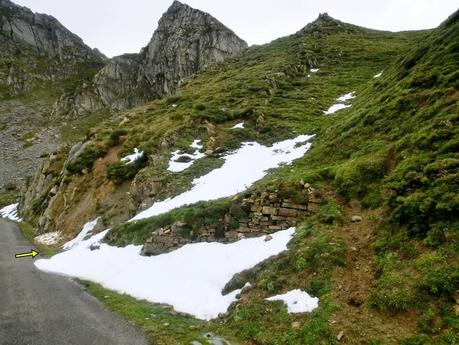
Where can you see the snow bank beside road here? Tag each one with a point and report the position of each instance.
(190, 278)
(10, 212)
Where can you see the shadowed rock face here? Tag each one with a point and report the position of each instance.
(36, 48)
(20, 26)
(185, 42)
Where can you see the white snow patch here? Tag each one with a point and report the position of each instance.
(297, 301)
(239, 125)
(190, 278)
(10, 212)
(346, 97)
(174, 105)
(180, 166)
(133, 157)
(335, 107)
(196, 144)
(85, 232)
(378, 75)
(340, 105)
(314, 70)
(241, 169)
(49, 238)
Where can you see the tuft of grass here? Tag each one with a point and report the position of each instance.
(8, 197)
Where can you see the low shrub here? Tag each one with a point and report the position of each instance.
(391, 294)
(120, 172)
(86, 159)
(115, 136)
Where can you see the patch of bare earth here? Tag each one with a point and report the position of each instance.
(355, 322)
(85, 195)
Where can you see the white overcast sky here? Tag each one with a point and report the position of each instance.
(118, 26)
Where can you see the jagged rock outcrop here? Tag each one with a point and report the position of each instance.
(42, 32)
(39, 59)
(185, 42)
(36, 47)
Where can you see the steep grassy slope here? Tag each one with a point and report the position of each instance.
(396, 153)
(391, 158)
(270, 87)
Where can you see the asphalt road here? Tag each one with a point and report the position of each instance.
(44, 309)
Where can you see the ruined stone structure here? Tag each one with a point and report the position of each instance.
(265, 214)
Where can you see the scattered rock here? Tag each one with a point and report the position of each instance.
(355, 301)
(296, 325)
(268, 238)
(340, 335)
(94, 246)
(260, 121)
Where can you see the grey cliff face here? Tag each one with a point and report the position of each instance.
(39, 58)
(43, 33)
(185, 42)
(36, 48)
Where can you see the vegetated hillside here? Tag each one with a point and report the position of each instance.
(391, 158)
(271, 88)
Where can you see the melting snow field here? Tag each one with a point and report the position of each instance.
(297, 301)
(132, 158)
(175, 166)
(190, 278)
(10, 212)
(241, 169)
(85, 232)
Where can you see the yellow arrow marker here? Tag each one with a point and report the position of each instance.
(32, 253)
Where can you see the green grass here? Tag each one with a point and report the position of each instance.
(161, 324)
(8, 197)
(77, 129)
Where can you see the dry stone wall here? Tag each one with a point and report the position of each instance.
(264, 213)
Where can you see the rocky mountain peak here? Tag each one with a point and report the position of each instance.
(186, 41)
(20, 27)
(326, 24)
